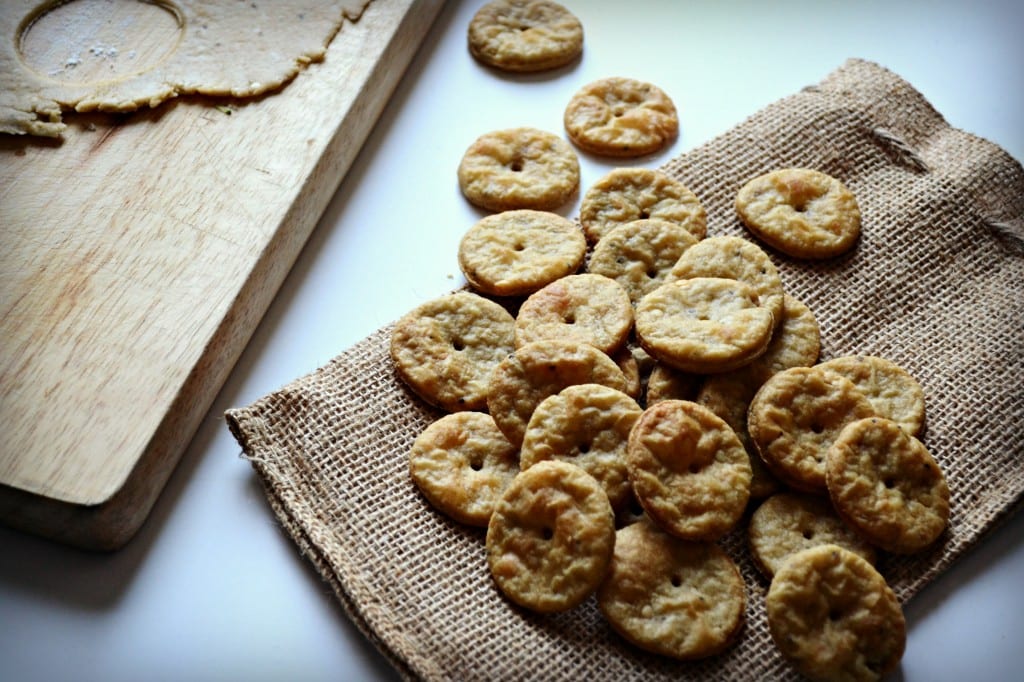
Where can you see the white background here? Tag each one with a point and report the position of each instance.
(211, 589)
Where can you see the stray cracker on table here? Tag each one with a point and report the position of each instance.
(525, 35)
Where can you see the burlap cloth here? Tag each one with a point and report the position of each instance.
(936, 284)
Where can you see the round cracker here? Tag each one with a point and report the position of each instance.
(832, 615)
(462, 463)
(445, 349)
(704, 325)
(515, 253)
(801, 212)
(586, 308)
(586, 425)
(551, 537)
(796, 416)
(671, 597)
(689, 470)
(639, 255)
(887, 485)
(621, 117)
(525, 35)
(518, 168)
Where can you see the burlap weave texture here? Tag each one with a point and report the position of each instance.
(936, 284)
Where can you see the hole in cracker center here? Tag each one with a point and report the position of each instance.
(85, 42)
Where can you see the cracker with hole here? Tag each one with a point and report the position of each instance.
(446, 349)
(893, 391)
(796, 416)
(525, 35)
(518, 168)
(537, 370)
(886, 485)
(684, 600)
(639, 255)
(621, 117)
(586, 425)
(462, 464)
(690, 472)
(801, 212)
(626, 194)
(551, 537)
(833, 617)
(586, 308)
(515, 253)
(787, 523)
(704, 325)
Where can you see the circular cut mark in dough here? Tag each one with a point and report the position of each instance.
(86, 42)
(237, 49)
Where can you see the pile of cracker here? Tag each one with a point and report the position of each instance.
(622, 391)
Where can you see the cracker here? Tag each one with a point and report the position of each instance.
(801, 212)
(890, 389)
(704, 324)
(537, 370)
(639, 255)
(515, 253)
(685, 600)
(550, 538)
(832, 615)
(689, 470)
(519, 168)
(628, 361)
(445, 349)
(887, 485)
(586, 308)
(796, 416)
(666, 383)
(728, 396)
(627, 194)
(734, 258)
(525, 35)
(586, 425)
(621, 117)
(796, 342)
(786, 523)
(462, 463)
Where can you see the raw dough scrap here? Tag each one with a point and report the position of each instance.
(242, 49)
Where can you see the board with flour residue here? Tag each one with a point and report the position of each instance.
(139, 253)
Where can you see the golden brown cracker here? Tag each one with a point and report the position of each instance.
(551, 537)
(517, 168)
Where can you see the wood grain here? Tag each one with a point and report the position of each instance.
(137, 257)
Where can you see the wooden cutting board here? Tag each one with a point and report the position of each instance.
(137, 256)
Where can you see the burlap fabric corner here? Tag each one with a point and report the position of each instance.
(936, 284)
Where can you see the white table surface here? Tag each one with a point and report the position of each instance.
(211, 589)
